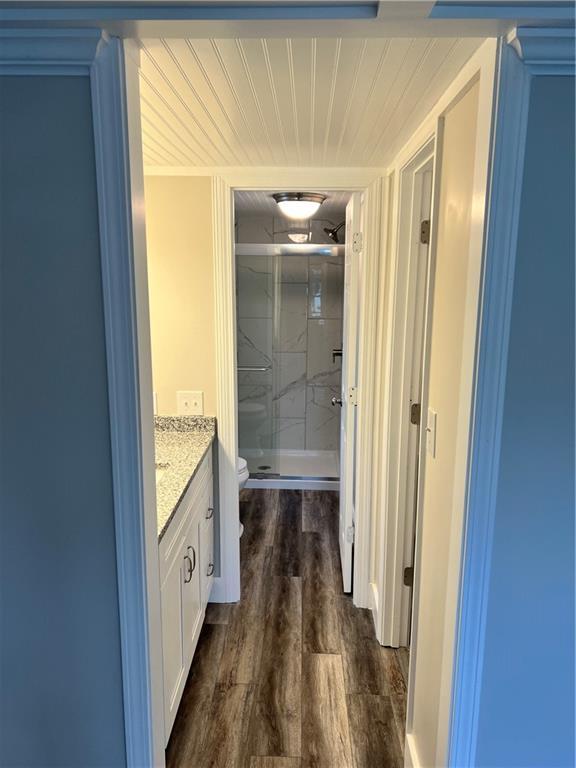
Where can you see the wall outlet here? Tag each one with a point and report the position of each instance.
(155, 402)
(190, 403)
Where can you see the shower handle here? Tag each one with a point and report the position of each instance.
(337, 401)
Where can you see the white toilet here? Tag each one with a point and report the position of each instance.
(243, 475)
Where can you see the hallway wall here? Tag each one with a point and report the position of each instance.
(61, 701)
(527, 702)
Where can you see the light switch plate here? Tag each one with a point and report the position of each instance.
(431, 432)
(190, 403)
(155, 402)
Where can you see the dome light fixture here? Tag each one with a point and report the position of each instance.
(298, 237)
(299, 205)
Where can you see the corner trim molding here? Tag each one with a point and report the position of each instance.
(529, 53)
(49, 51)
(545, 50)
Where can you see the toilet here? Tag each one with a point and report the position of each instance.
(243, 475)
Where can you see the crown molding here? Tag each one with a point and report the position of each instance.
(49, 51)
(545, 50)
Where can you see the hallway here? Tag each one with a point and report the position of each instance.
(292, 676)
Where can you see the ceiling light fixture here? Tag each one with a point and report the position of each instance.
(299, 205)
(298, 237)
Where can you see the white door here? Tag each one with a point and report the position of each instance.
(348, 396)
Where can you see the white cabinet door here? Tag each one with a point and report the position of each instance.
(173, 649)
(192, 611)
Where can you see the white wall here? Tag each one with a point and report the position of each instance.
(444, 390)
(181, 287)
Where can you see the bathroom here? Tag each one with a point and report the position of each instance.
(289, 309)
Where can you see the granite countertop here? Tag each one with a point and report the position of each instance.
(181, 443)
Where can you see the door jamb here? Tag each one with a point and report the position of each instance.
(366, 181)
(398, 519)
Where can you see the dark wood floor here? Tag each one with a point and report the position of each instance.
(292, 676)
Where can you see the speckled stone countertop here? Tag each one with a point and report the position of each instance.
(181, 443)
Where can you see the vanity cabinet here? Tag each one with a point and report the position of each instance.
(186, 573)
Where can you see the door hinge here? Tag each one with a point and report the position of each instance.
(352, 395)
(350, 534)
(357, 242)
(409, 576)
(425, 232)
(415, 413)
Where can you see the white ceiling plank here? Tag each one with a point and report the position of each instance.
(302, 102)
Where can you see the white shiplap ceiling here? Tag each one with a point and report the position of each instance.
(290, 102)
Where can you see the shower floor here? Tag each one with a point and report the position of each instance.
(314, 470)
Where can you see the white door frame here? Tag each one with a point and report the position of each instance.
(481, 68)
(362, 180)
(405, 355)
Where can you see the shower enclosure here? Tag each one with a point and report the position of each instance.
(289, 321)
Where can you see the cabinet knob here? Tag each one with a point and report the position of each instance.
(210, 569)
(209, 513)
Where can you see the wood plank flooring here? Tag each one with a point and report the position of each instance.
(291, 676)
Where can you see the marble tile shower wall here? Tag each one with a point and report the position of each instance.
(289, 321)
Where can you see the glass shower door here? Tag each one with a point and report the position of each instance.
(289, 320)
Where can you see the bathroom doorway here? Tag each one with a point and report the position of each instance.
(290, 285)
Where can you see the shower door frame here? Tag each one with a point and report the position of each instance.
(366, 181)
(292, 481)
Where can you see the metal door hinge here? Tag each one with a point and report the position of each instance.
(350, 534)
(415, 413)
(409, 576)
(425, 232)
(357, 242)
(352, 395)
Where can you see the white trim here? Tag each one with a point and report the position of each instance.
(227, 589)
(231, 179)
(501, 245)
(258, 177)
(375, 201)
(481, 68)
(123, 255)
(411, 756)
(398, 301)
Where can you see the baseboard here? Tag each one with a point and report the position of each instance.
(411, 759)
(218, 592)
(374, 598)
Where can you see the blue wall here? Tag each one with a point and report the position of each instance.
(60, 690)
(527, 703)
